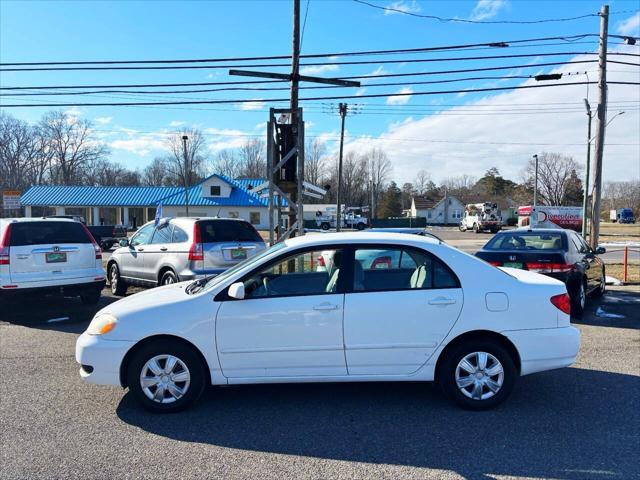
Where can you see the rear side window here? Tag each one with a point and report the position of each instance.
(179, 235)
(162, 234)
(46, 233)
(212, 231)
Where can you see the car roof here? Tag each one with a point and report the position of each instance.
(35, 219)
(359, 237)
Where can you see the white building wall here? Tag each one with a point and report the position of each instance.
(245, 213)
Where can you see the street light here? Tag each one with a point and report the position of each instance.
(534, 213)
(586, 170)
(186, 174)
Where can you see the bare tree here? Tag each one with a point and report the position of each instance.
(227, 163)
(554, 174)
(625, 194)
(423, 182)
(187, 170)
(252, 159)
(109, 173)
(314, 161)
(72, 147)
(155, 174)
(379, 170)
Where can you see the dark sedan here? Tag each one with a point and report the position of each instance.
(558, 253)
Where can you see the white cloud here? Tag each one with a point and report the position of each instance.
(403, 6)
(103, 120)
(176, 123)
(257, 105)
(486, 9)
(402, 99)
(142, 145)
(361, 91)
(630, 26)
(318, 69)
(464, 140)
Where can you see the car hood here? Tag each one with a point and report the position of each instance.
(152, 299)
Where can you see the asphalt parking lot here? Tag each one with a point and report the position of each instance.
(576, 423)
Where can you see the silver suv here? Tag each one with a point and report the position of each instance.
(179, 249)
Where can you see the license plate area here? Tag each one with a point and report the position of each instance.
(56, 257)
(238, 254)
(512, 264)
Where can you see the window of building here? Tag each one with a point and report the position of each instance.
(215, 190)
(254, 218)
(234, 214)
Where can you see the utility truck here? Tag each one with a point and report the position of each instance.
(481, 217)
(349, 220)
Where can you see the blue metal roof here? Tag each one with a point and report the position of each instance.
(67, 196)
(70, 196)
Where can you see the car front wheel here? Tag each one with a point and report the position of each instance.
(477, 375)
(166, 376)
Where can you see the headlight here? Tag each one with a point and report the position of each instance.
(102, 324)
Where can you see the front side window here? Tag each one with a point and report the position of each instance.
(297, 274)
(143, 236)
(399, 269)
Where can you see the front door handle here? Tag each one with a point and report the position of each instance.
(141, 249)
(442, 301)
(163, 249)
(326, 306)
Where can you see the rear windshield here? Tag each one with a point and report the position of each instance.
(46, 233)
(526, 241)
(212, 231)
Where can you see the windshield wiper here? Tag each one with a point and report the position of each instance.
(197, 285)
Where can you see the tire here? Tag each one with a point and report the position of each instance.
(325, 226)
(91, 297)
(578, 299)
(118, 286)
(360, 226)
(598, 292)
(168, 278)
(451, 372)
(476, 228)
(462, 228)
(181, 386)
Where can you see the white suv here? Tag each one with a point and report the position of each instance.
(49, 256)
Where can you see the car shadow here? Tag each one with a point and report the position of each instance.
(568, 424)
(617, 308)
(65, 314)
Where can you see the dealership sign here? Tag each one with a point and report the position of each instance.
(11, 199)
(552, 216)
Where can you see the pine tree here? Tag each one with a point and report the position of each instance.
(391, 205)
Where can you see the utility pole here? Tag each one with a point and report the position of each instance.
(343, 113)
(533, 218)
(600, 127)
(585, 200)
(186, 173)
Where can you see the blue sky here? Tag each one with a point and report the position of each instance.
(127, 30)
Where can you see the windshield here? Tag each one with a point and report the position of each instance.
(228, 273)
(526, 241)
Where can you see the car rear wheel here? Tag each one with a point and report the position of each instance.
(168, 278)
(477, 375)
(166, 376)
(578, 300)
(462, 228)
(118, 286)
(360, 226)
(476, 228)
(325, 226)
(598, 292)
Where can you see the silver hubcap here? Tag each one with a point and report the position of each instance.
(479, 376)
(168, 280)
(114, 279)
(165, 379)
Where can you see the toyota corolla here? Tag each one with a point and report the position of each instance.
(430, 313)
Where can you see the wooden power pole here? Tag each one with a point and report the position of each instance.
(343, 114)
(601, 116)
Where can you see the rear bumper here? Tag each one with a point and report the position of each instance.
(545, 348)
(100, 359)
(68, 287)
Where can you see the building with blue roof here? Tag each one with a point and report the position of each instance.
(216, 195)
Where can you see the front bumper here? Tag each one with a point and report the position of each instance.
(100, 359)
(545, 348)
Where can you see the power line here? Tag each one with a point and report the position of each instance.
(273, 100)
(316, 64)
(463, 20)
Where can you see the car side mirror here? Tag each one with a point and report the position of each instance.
(600, 250)
(236, 290)
(124, 242)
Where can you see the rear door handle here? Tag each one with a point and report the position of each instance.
(164, 249)
(442, 301)
(326, 307)
(141, 249)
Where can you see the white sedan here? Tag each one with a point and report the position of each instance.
(437, 314)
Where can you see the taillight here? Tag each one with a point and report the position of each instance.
(548, 267)
(562, 303)
(496, 264)
(96, 247)
(321, 261)
(4, 246)
(196, 251)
